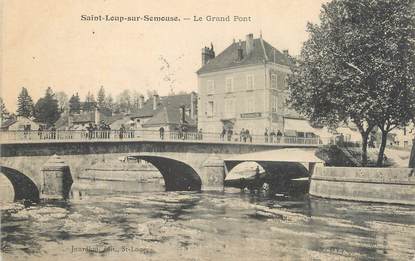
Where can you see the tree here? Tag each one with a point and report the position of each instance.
(393, 70)
(24, 104)
(101, 97)
(4, 113)
(150, 93)
(75, 104)
(90, 103)
(109, 103)
(63, 101)
(412, 157)
(124, 101)
(136, 96)
(47, 108)
(348, 64)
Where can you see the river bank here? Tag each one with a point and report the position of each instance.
(383, 185)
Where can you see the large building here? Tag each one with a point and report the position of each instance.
(245, 86)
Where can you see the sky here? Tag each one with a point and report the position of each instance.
(45, 42)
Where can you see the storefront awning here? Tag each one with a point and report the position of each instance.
(298, 125)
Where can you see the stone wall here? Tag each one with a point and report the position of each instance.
(387, 185)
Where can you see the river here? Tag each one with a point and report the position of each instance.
(137, 224)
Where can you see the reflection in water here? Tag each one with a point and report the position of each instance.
(123, 224)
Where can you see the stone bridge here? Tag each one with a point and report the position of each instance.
(184, 165)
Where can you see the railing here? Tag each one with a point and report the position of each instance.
(150, 135)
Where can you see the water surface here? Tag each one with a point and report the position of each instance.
(130, 225)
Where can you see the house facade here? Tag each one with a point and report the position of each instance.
(245, 86)
(19, 123)
(403, 137)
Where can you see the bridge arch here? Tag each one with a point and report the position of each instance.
(23, 186)
(177, 174)
(293, 169)
(279, 174)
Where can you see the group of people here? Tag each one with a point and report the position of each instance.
(181, 133)
(227, 134)
(101, 130)
(272, 136)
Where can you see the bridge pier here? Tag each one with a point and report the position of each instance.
(213, 174)
(56, 179)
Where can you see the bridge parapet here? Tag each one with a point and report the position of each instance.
(61, 136)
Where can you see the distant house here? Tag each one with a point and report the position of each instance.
(19, 123)
(170, 112)
(403, 137)
(79, 121)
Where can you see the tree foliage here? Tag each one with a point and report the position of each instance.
(4, 113)
(89, 103)
(24, 104)
(75, 104)
(63, 101)
(358, 66)
(47, 108)
(101, 97)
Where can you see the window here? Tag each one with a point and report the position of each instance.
(210, 109)
(250, 82)
(230, 108)
(274, 103)
(210, 87)
(281, 103)
(250, 106)
(229, 85)
(273, 81)
(286, 87)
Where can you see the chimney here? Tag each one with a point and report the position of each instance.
(141, 101)
(285, 51)
(240, 52)
(193, 104)
(156, 100)
(97, 116)
(183, 113)
(207, 54)
(249, 43)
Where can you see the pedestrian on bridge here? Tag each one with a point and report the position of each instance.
(272, 136)
(266, 135)
(229, 134)
(122, 131)
(222, 135)
(200, 134)
(279, 135)
(242, 135)
(161, 130)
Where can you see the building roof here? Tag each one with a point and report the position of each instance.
(171, 102)
(8, 123)
(86, 117)
(262, 51)
(169, 115)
